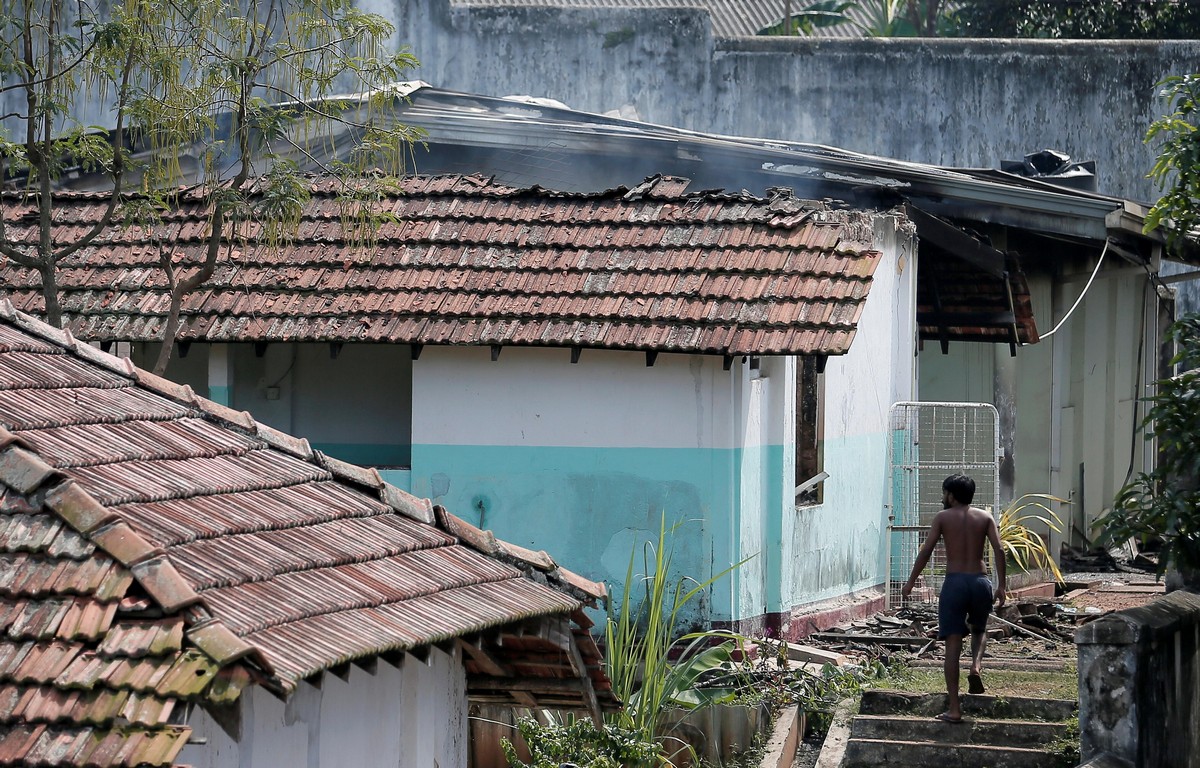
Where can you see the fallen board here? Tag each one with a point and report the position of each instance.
(807, 653)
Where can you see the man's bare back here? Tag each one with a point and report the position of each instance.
(963, 530)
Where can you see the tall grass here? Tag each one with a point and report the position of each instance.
(641, 637)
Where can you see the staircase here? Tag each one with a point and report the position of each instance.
(898, 729)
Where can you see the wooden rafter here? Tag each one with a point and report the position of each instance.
(585, 681)
(492, 666)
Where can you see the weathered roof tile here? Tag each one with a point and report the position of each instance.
(23, 471)
(77, 507)
(157, 637)
(122, 542)
(474, 262)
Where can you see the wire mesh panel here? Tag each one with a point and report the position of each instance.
(930, 442)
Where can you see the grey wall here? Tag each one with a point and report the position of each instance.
(948, 102)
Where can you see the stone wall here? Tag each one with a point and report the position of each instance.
(1139, 671)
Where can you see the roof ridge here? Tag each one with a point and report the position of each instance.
(372, 604)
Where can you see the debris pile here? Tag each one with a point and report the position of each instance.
(1029, 626)
(1123, 558)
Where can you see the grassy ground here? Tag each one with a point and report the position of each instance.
(999, 682)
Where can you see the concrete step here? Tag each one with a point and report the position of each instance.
(869, 753)
(1006, 733)
(1019, 665)
(884, 702)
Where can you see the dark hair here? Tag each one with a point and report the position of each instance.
(961, 487)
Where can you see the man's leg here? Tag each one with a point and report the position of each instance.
(954, 645)
(977, 618)
(978, 644)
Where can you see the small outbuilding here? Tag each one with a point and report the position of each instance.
(181, 583)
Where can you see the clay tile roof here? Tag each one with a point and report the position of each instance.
(156, 550)
(466, 261)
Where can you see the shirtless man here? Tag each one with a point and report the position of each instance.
(966, 598)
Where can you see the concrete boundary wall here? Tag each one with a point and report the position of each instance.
(1139, 671)
(942, 101)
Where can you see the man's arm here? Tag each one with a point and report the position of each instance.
(935, 533)
(998, 558)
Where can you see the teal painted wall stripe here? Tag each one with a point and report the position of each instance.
(590, 508)
(401, 478)
(220, 395)
(368, 454)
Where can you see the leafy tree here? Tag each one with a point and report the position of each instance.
(174, 73)
(1164, 504)
(810, 18)
(1080, 19)
(871, 18)
(1177, 169)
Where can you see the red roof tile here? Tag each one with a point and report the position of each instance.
(468, 261)
(154, 547)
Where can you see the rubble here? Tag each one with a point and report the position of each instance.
(1027, 628)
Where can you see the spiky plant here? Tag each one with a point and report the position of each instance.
(1021, 543)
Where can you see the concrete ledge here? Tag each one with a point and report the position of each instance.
(820, 616)
(785, 737)
(833, 751)
(1165, 615)
(803, 620)
(1137, 690)
(885, 702)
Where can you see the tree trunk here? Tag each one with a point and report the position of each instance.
(169, 333)
(49, 273)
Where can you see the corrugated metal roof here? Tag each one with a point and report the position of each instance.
(465, 261)
(730, 18)
(179, 540)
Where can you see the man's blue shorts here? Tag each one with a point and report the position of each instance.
(966, 600)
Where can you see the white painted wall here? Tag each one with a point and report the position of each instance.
(356, 406)
(838, 546)
(191, 370)
(536, 397)
(314, 387)
(412, 716)
(581, 460)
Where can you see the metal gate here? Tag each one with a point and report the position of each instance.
(929, 442)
